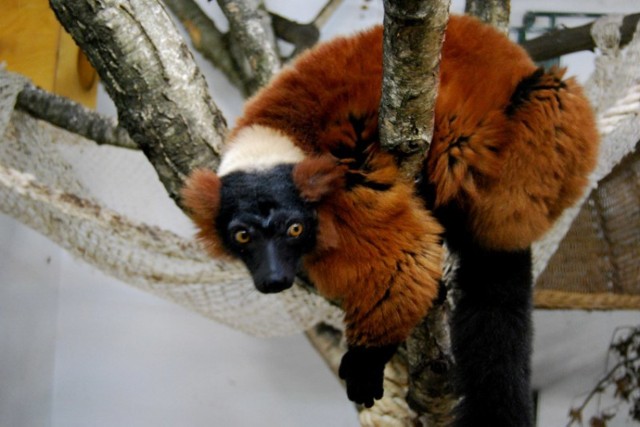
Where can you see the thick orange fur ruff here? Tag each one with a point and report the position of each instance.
(512, 156)
(512, 164)
(385, 266)
(379, 252)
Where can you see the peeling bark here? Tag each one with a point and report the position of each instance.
(413, 34)
(147, 69)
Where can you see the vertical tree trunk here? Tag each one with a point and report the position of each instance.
(413, 34)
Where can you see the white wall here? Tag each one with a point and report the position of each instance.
(78, 348)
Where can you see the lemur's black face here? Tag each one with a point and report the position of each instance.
(264, 222)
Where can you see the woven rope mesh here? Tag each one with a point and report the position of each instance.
(46, 183)
(597, 264)
(38, 187)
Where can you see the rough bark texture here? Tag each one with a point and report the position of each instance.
(569, 40)
(161, 96)
(69, 115)
(251, 30)
(207, 39)
(494, 12)
(413, 34)
(430, 362)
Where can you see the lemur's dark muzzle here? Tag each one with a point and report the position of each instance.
(275, 269)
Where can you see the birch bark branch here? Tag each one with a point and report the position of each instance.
(161, 96)
(250, 27)
(413, 34)
(207, 39)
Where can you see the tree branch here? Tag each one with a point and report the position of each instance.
(161, 96)
(413, 34)
(430, 362)
(73, 117)
(569, 40)
(493, 12)
(302, 36)
(250, 27)
(207, 39)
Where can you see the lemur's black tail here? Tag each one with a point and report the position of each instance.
(491, 336)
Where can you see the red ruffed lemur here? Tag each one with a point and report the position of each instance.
(304, 185)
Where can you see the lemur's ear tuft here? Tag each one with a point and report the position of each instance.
(201, 198)
(318, 176)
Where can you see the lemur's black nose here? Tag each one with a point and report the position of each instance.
(275, 284)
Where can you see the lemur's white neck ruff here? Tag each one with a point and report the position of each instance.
(257, 148)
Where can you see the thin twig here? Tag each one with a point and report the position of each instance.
(303, 36)
(599, 386)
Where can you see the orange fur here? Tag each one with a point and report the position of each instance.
(385, 266)
(378, 252)
(318, 176)
(512, 174)
(511, 165)
(312, 99)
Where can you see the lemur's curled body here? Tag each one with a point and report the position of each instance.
(303, 180)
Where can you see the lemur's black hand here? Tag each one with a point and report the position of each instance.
(362, 368)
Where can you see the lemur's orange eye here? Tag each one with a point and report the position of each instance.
(295, 230)
(242, 236)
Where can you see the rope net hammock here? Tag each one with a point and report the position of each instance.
(597, 264)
